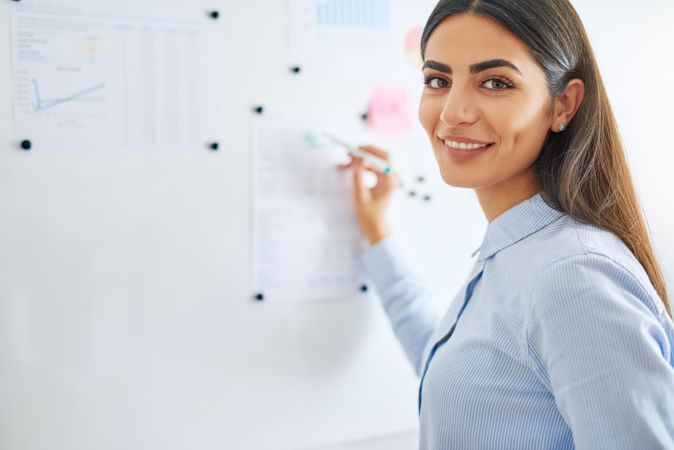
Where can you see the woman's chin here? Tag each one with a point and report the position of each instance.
(458, 181)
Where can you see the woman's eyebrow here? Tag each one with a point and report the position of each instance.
(474, 68)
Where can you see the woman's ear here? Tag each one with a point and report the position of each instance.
(566, 104)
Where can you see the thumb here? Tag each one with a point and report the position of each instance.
(358, 188)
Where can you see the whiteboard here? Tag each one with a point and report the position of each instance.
(126, 314)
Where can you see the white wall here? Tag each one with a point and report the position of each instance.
(125, 312)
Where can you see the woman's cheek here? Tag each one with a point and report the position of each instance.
(428, 113)
(517, 121)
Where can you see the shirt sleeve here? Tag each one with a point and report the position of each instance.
(596, 338)
(405, 299)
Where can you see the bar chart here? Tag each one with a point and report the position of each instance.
(354, 14)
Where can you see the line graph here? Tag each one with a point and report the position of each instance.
(90, 75)
(41, 104)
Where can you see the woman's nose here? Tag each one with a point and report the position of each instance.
(459, 107)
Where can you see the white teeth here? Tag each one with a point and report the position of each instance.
(463, 145)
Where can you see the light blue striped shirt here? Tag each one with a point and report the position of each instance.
(558, 340)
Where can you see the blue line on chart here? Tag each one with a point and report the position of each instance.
(39, 106)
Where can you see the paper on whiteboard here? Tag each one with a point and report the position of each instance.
(306, 237)
(364, 40)
(105, 76)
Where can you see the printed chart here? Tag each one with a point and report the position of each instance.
(363, 14)
(339, 37)
(82, 78)
(357, 40)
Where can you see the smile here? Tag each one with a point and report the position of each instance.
(464, 151)
(464, 145)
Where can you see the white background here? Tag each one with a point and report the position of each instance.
(126, 318)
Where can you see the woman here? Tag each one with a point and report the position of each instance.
(562, 336)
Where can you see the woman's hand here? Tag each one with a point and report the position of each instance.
(372, 203)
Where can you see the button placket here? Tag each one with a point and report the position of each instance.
(470, 286)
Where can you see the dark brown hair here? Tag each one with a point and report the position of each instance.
(581, 171)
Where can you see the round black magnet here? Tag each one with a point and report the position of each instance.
(26, 144)
(295, 69)
(214, 14)
(214, 146)
(258, 109)
(259, 296)
(363, 288)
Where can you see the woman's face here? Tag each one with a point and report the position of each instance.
(482, 87)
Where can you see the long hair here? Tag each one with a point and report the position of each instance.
(581, 171)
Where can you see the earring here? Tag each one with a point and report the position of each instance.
(561, 127)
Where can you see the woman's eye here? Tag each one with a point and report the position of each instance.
(497, 84)
(436, 82)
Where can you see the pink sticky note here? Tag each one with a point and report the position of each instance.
(389, 111)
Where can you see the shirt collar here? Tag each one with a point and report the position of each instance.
(520, 221)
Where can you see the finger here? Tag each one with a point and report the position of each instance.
(347, 165)
(384, 183)
(378, 172)
(377, 152)
(372, 169)
(397, 181)
(358, 188)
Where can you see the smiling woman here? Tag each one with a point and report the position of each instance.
(491, 102)
(561, 337)
(581, 170)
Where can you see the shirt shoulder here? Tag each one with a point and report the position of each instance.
(566, 242)
(603, 252)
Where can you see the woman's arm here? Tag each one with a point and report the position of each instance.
(405, 299)
(603, 346)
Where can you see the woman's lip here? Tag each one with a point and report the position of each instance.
(464, 154)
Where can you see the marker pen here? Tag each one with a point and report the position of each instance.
(377, 163)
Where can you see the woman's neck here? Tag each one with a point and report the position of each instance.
(499, 198)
